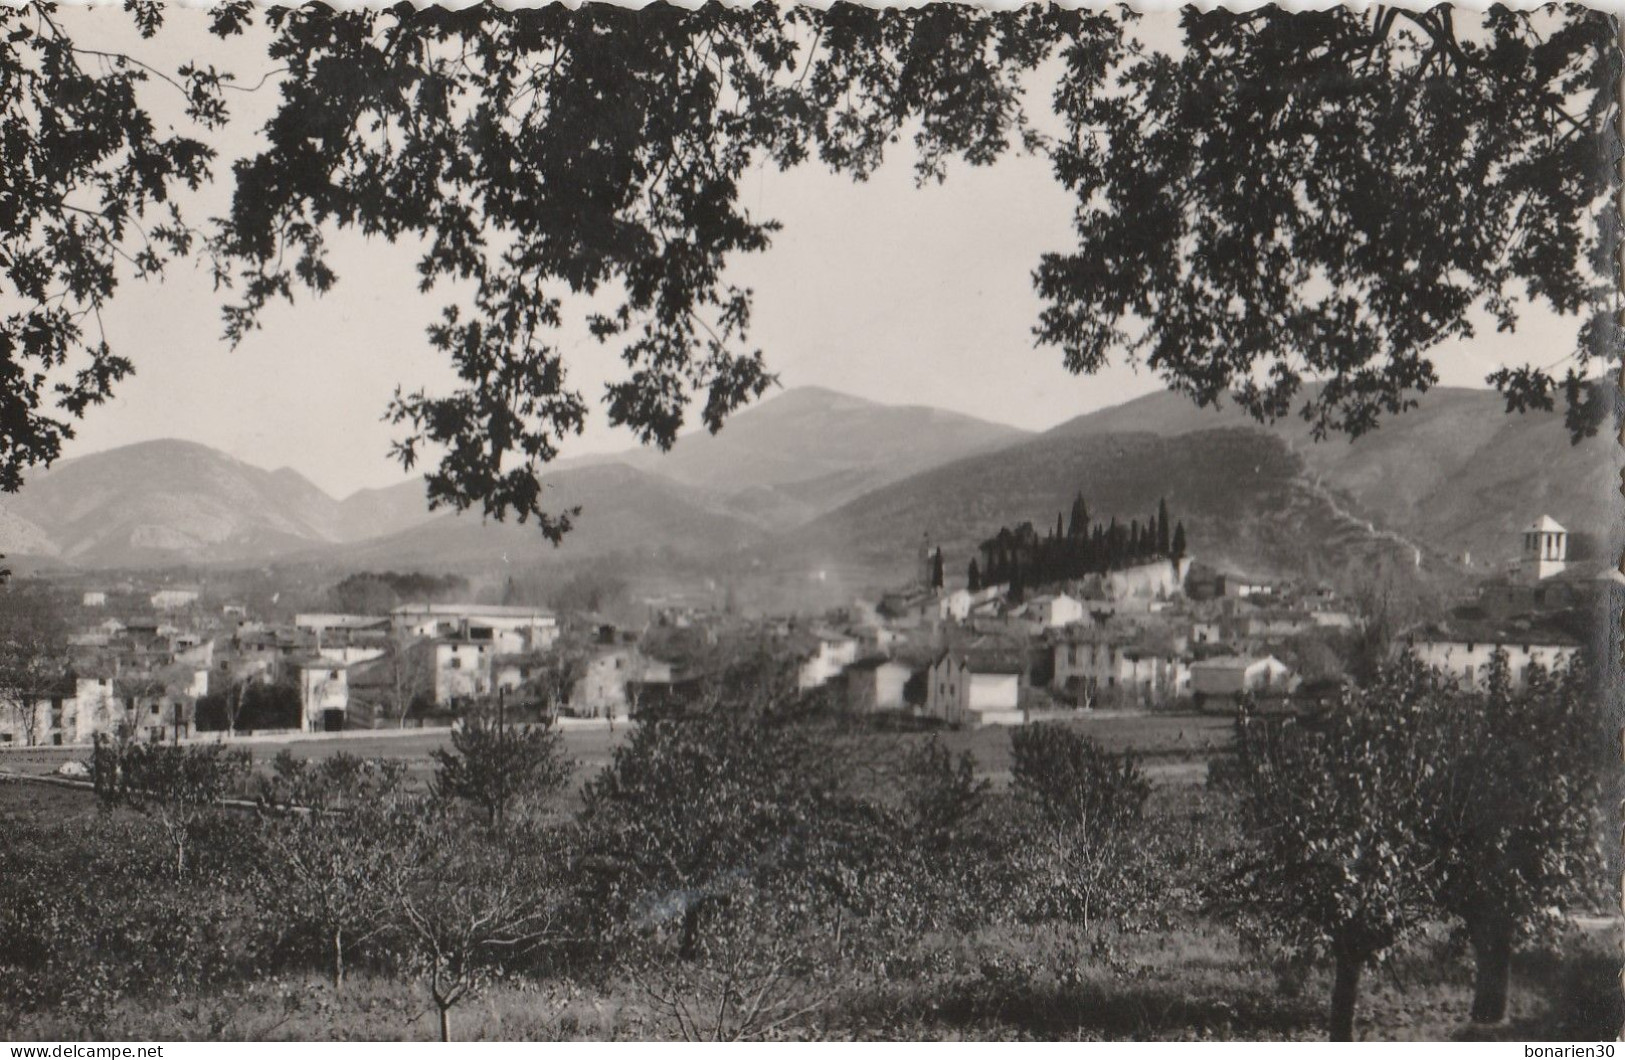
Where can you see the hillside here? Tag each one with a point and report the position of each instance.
(809, 450)
(774, 466)
(624, 511)
(1457, 473)
(156, 501)
(1242, 494)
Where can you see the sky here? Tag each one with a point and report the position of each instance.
(884, 290)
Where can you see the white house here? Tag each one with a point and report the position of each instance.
(1229, 676)
(834, 652)
(994, 694)
(95, 599)
(876, 684)
(173, 599)
(1159, 580)
(511, 630)
(461, 668)
(1056, 611)
(324, 695)
(1464, 650)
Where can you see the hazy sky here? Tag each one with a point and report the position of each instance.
(899, 294)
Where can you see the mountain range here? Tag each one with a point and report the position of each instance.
(814, 478)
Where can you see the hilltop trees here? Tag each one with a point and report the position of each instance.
(1077, 549)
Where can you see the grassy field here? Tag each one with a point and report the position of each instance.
(1175, 746)
(1188, 978)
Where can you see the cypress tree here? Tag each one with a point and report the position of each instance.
(1179, 541)
(973, 577)
(936, 569)
(1080, 518)
(1164, 545)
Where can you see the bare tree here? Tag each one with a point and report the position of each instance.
(468, 903)
(336, 828)
(409, 676)
(33, 655)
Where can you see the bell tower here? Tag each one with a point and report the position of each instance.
(1545, 550)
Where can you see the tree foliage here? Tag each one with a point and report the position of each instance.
(1323, 197)
(1293, 207)
(179, 786)
(1517, 804)
(1335, 861)
(494, 765)
(335, 834)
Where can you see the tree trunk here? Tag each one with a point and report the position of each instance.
(1345, 994)
(445, 1023)
(1492, 959)
(688, 944)
(338, 958)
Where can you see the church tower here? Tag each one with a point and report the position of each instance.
(1545, 549)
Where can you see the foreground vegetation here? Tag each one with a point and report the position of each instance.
(751, 873)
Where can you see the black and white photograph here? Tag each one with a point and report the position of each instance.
(781, 523)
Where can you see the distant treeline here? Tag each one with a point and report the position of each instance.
(376, 592)
(1075, 548)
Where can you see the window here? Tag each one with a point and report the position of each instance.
(456, 662)
(154, 709)
(56, 739)
(5, 737)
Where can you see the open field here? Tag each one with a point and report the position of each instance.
(1184, 977)
(1173, 745)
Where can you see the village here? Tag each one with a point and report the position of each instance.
(1086, 618)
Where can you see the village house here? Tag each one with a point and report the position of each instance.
(157, 706)
(322, 623)
(1223, 679)
(994, 692)
(1464, 650)
(324, 694)
(173, 599)
(603, 692)
(1160, 580)
(1121, 667)
(96, 709)
(1055, 611)
(947, 689)
(510, 630)
(876, 684)
(43, 719)
(831, 653)
(461, 668)
(94, 598)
